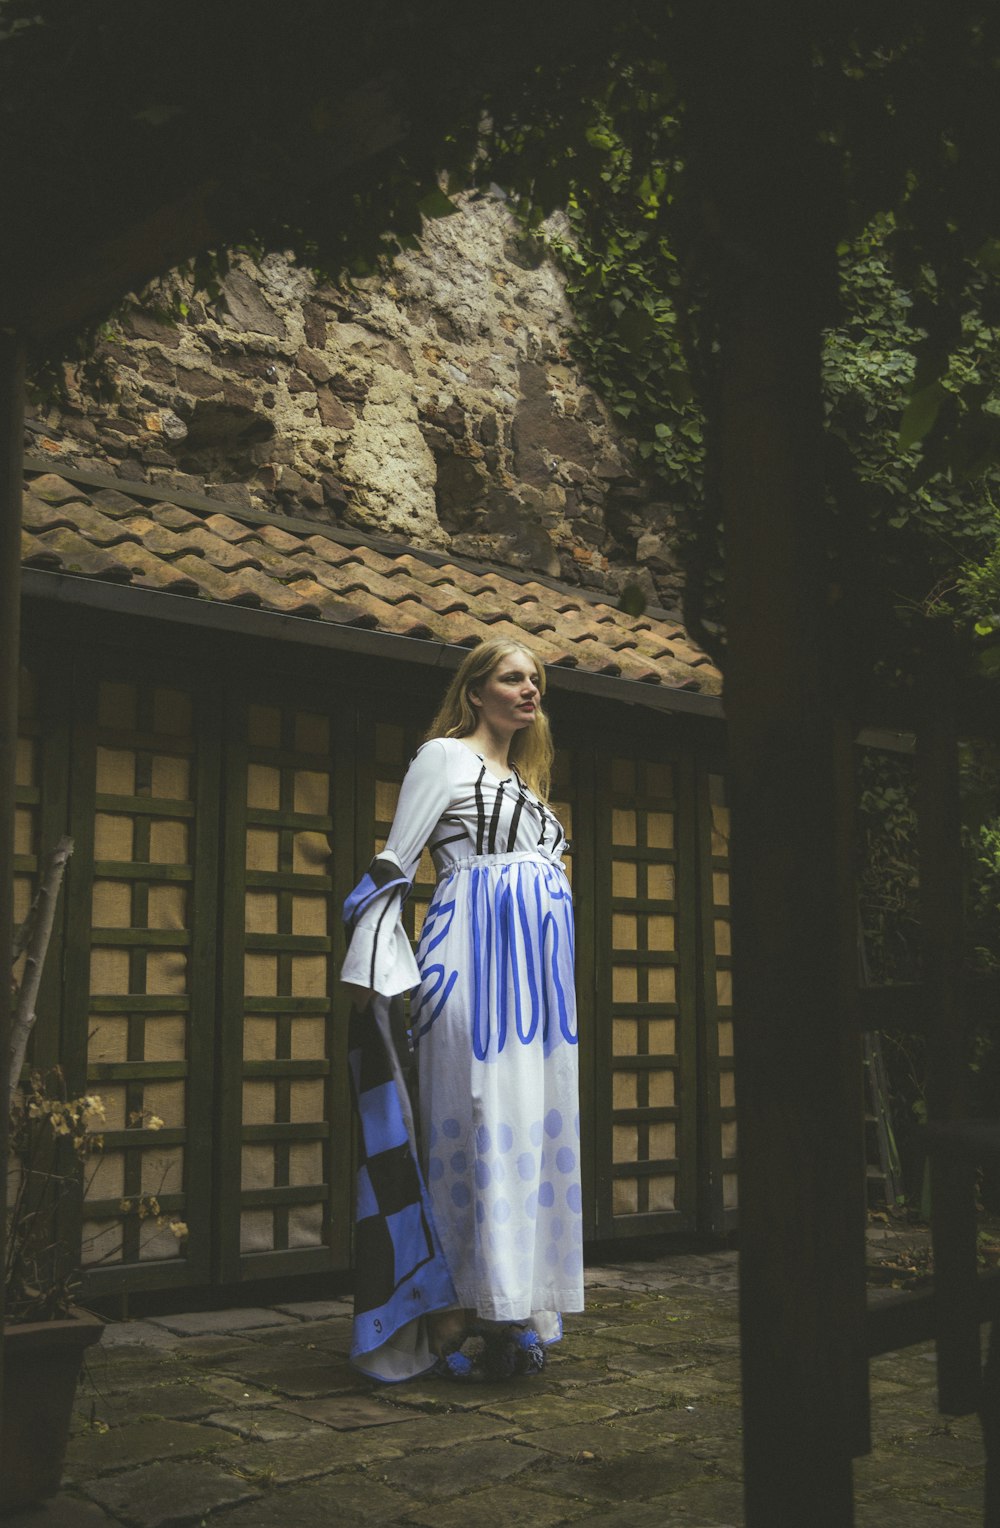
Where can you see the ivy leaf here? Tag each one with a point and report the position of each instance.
(436, 204)
(920, 415)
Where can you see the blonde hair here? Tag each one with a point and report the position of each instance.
(531, 750)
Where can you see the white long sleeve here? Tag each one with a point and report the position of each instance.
(380, 956)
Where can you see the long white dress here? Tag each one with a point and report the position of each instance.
(493, 1021)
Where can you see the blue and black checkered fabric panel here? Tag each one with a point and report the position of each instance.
(400, 1271)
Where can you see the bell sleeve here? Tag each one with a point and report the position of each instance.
(380, 956)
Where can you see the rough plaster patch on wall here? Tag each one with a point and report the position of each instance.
(388, 464)
(465, 273)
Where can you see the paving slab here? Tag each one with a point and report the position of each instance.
(268, 1425)
(212, 1350)
(665, 1512)
(269, 1464)
(169, 1495)
(528, 1411)
(305, 1335)
(141, 1334)
(349, 1413)
(300, 1374)
(326, 1503)
(206, 1323)
(183, 1401)
(317, 1310)
(510, 1507)
(631, 1477)
(61, 1512)
(96, 1452)
(431, 1477)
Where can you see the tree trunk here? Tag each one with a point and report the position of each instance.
(767, 217)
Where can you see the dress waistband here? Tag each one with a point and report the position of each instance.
(520, 857)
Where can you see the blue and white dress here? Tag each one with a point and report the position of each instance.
(493, 1023)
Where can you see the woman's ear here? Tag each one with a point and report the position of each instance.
(473, 698)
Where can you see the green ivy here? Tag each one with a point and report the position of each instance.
(912, 466)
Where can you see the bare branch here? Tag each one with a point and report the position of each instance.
(41, 918)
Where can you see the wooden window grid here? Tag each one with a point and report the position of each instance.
(215, 843)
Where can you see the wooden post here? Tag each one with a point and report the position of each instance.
(953, 1173)
(11, 454)
(758, 167)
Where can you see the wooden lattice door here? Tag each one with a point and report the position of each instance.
(139, 971)
(284, 1112)
(645, 1039)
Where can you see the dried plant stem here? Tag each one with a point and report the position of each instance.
(35, 938)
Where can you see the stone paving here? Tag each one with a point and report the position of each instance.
(253, 1419)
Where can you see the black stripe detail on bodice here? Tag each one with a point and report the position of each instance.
(516, 818)
(440, 842)
(480, 811)
(491, 847)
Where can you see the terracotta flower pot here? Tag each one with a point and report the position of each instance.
(42, 1362)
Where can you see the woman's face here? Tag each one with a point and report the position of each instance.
(507, 699)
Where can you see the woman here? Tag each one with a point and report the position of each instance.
(493, 1024)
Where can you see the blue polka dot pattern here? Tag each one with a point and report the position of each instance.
(547, 1195)
(460, 1195)
(458, 1162)
(574, 1198)
(526, 1166)
(483, 1175)
(435, 1169)
(483, 1141)
(505, 1138)
(535, 1133)
(553, 1123)
(565, 1159)
(451, 1128)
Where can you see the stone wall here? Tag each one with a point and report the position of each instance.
(436, 404)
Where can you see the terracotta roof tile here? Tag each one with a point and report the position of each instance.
(110, 502)
(198, 540)
(99, 528)
(469, 583)
(533, 615)
(441, 599)
(330, 551)
(227, 588)
(277, 538)
(54, 489)
(152, 572)
(559, 601)
(174, 516)
(231, 530)
(387, 566)
(70, 552)
(107, 534)
(39, 515)
(406, 619)
(358, 577)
